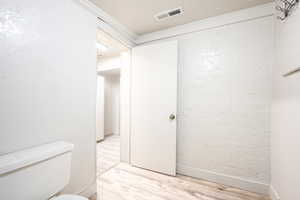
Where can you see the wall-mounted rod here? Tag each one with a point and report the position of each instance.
(292, 72)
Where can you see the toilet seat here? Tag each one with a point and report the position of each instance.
(69, 197)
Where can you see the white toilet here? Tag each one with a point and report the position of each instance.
(38, 173)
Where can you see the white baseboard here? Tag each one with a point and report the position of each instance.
(233, 181)
(89, 191)
(273, 193)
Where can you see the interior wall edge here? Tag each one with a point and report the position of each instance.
(274, 195)
(128, 42)
(238, 182)
(109, 25)
(125, 106)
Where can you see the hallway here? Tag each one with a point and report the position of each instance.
(108, 153)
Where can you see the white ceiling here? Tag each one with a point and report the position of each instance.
(137, 15)
(114, 47)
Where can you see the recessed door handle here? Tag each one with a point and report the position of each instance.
(172, 117)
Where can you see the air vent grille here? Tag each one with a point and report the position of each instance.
(169, 13)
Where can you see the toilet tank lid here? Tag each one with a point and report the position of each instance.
(17, 160)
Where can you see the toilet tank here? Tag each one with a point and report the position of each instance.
(37, 173)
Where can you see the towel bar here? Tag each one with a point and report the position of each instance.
(291, 72)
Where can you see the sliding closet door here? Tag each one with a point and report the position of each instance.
(154, 103)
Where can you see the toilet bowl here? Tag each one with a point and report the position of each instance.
(69, 197)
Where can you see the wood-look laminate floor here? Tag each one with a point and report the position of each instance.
(124, 182)
(119, 181)
(108, 153)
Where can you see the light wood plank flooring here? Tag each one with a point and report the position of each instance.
(119, 181)
(108, 153)
(124, 182)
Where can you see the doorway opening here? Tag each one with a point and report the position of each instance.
(111, 108)
(109, 143)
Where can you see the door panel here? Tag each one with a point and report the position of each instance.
(154, 100)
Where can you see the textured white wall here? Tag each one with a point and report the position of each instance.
(285, 162)
(224, 104)
(48, 80)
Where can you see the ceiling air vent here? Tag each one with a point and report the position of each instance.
(169, 13)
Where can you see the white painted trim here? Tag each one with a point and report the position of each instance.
(128, 42)
(209, 23)
(274, 195)
(126, 124)
(110, 25)
(233, 181)
(89, 191)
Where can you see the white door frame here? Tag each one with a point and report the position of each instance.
(117, 31)
(125, 80)
(125, 106)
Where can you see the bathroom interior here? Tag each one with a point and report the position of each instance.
(149, 100)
